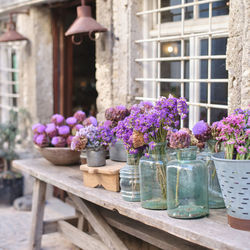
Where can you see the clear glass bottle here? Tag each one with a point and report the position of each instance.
(130, 179)
(153, 178)
(215, 199)
(187, 185)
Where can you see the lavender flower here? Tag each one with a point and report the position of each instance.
(38, 128)
(58, 141)
(51, 130)
(90, 121)
(42, 140)
(57, 119)
(80, 116)
(180, 139)
(71, 121)
(64, 131)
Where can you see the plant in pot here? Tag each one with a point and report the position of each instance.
(11, 183)
(233, 167)
(135, 146)
(117, 151)
(95, 140)
(154, 126)
(53, 140)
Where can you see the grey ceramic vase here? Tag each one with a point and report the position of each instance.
(234, 179)
(96, 158)
(117, 152)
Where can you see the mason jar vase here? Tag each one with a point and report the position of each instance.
(153, 178)
(187, 186)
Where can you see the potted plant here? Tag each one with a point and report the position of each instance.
(94, 140)
(117, 151)
(11, 183)
(233, 167)
(53, 140)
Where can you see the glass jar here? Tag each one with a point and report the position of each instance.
(153, 178)
(130, 179)
(215, 199)
(187, 185)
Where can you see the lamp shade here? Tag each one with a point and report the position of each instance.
(84, 23)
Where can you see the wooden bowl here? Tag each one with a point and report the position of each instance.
(60, 156)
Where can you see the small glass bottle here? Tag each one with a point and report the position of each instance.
(215, 199)
(130, 179)
(153, 178)
(187, 185)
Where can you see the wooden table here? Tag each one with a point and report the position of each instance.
(105, 210)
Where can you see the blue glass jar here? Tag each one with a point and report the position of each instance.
(215, 199)
(187, 185)
(153, 178)
(130, 179)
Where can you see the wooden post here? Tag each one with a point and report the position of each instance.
(38, 203)
(99, 224)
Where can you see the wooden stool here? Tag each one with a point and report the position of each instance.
(107, 176)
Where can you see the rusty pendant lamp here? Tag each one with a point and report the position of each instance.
(84, 24)
(11, 34)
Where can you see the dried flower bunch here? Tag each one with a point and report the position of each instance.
(116, 114)
(59, 132)
(235, 133)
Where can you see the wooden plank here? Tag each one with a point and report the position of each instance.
(99, 224)
(146, 233)
(211, 232)
(38, 203)
(80, 239)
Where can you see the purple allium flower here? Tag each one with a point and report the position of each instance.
(51, 130)
(71, 121)
(58, 141)
(34, 137)
(38, 128)
(91, 120)
(180, 139)
(202, 131)
(69, 140)
(76, 128)
(57, 119)
(80, 116)
(42, 140)
(64, 131)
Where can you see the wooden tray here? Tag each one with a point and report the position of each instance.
(106, 176)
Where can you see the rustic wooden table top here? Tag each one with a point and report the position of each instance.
(212, 231)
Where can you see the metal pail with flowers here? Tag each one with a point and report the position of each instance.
(234, 179)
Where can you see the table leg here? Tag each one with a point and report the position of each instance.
(38, 203)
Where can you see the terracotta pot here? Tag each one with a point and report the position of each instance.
(60, 156)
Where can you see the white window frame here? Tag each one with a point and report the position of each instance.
(155, 32)
(6, 82)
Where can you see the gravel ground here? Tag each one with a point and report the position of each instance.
(15, 225)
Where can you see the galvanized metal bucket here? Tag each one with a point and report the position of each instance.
(234, 179)
(96, 158)
(117, 152)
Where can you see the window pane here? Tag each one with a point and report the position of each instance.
(186, 69)
(217, 114)
(203, 92)
(203, 69)
(219, 8)
(203, 114)
(170, 88)
(219, 93)
(171, 49)
(186, 91)
(170, 15)
(171, 69)
(218, 69)
(219, 46)
(189, 10)
(204, 47)
(186, 48)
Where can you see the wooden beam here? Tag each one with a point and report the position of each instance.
(146, 233)
(80, 239)
(98, 223)
(38, 203)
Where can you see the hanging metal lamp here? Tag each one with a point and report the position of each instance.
(84, 24)
(11, 34)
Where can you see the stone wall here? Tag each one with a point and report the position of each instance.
(238, 54)
(115, 53)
